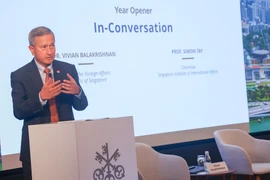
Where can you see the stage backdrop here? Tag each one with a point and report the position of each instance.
(173, 65)
(255, 18)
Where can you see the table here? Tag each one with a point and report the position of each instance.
(205, 175)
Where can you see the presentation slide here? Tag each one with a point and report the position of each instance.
(172, 65)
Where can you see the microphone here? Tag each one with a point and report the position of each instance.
(50, 75)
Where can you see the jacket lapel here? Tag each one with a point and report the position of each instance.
(58, 73)
(34, 75)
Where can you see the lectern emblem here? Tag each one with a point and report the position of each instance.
(109, 171)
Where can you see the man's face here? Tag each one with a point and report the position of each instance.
(43, 49)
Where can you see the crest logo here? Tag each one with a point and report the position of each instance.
(109, 170)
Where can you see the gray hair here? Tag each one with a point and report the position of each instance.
(38, 31)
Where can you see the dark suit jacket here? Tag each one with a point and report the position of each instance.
(26, 84)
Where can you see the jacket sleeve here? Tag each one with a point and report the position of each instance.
(78, 103)
(25, 104)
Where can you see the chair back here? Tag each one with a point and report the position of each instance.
(147, 161)
(157, 166)
(234, 146)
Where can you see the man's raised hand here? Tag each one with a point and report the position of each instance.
(50, 89)
(70, 86)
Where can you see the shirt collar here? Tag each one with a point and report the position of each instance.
(41, 68)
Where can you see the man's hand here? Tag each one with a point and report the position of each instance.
(70, 86)
(50, 89)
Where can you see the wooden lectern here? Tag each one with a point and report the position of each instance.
(101, 149)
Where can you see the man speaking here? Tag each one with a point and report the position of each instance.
(44, 90)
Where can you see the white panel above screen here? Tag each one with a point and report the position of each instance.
(136, 72)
